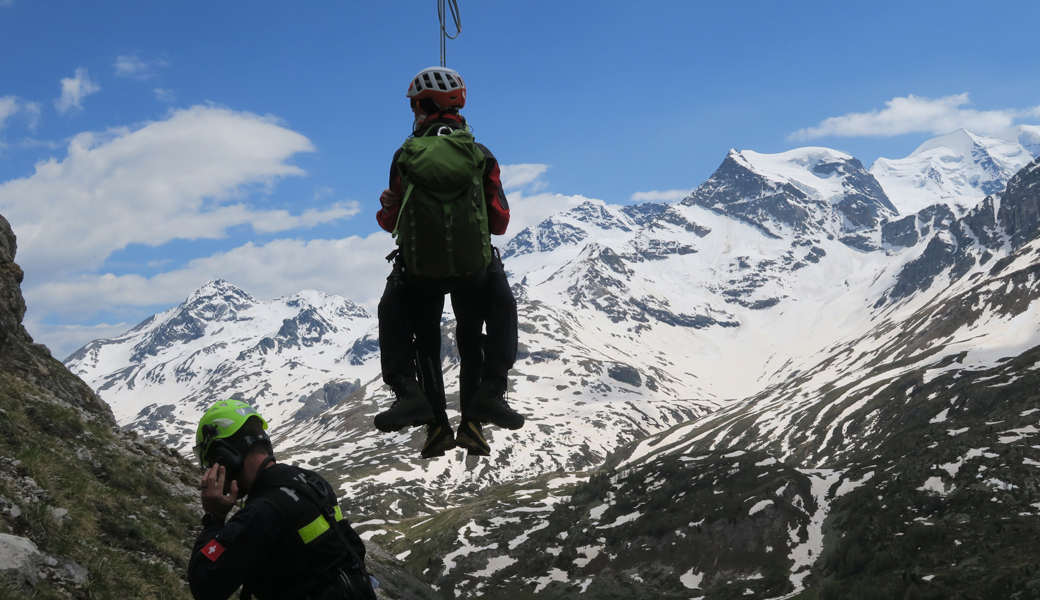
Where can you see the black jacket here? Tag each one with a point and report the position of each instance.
(263, 546)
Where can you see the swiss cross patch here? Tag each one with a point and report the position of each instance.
(212, 550)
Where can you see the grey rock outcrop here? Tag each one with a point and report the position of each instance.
(19, 559)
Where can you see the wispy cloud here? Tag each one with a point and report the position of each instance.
(13, 105)
(74, 90)
(63, 340)
(523, 176)
(135, 67)
(166, 96)
(9, 105)
(352, 267)
(914, 114)
(6, 3)
(660, 195)
(186, 177)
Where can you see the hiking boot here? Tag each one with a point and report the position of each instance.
(439, 439)
(471, 437)
(410, 408)
(489, 406)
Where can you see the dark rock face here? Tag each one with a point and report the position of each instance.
(902, 232)
(216, 301)
(304, 330)
(12, 305)
(625, 374)
(598, 215)
(739, 192)
(864, 202)
(548, 236)
(330, 394)
(361, 350)
(736, 191)
(1020, 207)
(674, 217)
(965, 242)
(641, 214)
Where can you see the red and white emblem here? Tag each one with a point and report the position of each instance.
(212, 550)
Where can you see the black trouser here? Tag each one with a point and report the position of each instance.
(410, 337)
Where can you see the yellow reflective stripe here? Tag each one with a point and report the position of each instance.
(314, 529)
(317, 527)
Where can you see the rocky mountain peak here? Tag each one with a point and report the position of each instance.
(333, 305)
(218, 300)
(808, 191)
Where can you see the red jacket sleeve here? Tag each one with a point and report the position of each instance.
(387, 219)
(495, 198)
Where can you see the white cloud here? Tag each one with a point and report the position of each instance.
(34, 143)
(13, 105)
(9, 106)
(63, 340)
(135, 67)
(353, 267)
(274, 221)
(186, 177)
(6, 2)
(74, 90)
(165, 95)
(915, 114)
(523, 175)
(661, 195)
(32, 113)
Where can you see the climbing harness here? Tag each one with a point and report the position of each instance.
(442, 14)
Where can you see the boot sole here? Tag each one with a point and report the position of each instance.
(439, 448)
(473, 447)
(506, 423)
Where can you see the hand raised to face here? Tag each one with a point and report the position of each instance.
(215, 499)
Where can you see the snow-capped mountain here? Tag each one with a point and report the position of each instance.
(957, 169)
(290, 354)
(633, 320)
(877, 467)
(809, 191)
(755, 369)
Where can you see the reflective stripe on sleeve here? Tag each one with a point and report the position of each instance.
(315, 528)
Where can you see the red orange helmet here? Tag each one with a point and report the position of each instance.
(440, 84)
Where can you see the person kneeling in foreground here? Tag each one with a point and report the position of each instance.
(290, 540)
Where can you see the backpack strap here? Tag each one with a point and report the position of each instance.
(400, 210)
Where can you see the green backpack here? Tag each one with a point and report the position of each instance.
(442, 228)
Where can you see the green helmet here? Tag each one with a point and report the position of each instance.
(220, 422)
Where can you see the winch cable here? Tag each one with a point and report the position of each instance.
(442, 13)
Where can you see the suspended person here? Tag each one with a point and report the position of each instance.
(290, 540)
(444, 201)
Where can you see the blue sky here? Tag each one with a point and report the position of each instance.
(147, 147)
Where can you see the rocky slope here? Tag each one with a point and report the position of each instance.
(89, 509)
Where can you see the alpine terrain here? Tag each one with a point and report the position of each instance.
(806, 379)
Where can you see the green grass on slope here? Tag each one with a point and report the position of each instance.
(130, 516)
